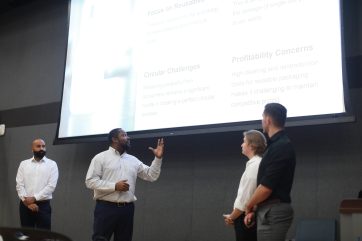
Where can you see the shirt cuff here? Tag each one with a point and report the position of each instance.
(112, 186)
(37, 197)
(157, 160)
(240, 207)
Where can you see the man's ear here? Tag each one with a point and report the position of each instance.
(268, 120)
(114, 139)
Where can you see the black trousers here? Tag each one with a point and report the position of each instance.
(40, 219)
(242, 232)
(113, 219)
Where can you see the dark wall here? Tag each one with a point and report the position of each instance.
(200, 173)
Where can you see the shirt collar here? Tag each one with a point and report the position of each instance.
(41, 160)
(253, 159)
(115, 151)
(276, 136)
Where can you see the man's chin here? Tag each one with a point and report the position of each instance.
(127, 147)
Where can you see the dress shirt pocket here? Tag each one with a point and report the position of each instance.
(113, 172)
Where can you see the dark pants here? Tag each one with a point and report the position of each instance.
(111, 218)
(40, 219)
(242, 232)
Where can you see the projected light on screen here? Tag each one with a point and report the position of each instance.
(159, 65)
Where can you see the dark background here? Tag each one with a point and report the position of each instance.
(200, 173)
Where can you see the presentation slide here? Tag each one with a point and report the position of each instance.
(146, 65)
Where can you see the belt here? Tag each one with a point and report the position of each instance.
(269, 202)
(117, 204)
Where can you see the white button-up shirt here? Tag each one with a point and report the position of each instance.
(109, 167)
(37, 178)
(247, 184)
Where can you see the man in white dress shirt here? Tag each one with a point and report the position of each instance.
(36, 180)
(112, 175)
(253, 147)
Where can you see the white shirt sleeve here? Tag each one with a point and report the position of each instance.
(150, 173)
(20, 186)
(245, 191)
(94, 177)
(50, 185)
(248, 183)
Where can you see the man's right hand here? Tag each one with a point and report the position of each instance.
(122, 186)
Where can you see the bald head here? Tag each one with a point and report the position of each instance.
(38, 143)
(39, 149)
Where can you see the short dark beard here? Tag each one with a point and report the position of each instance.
(39, 154)
(127, 146)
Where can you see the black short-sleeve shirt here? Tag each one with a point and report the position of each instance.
(276, 169)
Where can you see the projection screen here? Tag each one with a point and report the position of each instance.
(190, 66)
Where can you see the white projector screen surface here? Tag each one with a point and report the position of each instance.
(156, 64)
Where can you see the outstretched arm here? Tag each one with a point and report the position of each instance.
(151, 173)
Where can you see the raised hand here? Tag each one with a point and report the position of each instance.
(158, 151)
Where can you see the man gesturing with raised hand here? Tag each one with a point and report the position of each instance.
(112, 175)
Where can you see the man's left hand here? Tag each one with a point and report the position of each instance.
(158, 151)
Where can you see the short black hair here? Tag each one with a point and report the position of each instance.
(113, 134)
(277, 112)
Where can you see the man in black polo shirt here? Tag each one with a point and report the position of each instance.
(275, 179)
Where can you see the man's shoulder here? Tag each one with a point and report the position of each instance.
(50, 161)
(281, 142)
(281, 146)
(286, 144)
(101, 154)
(26, 161)
(283, 150)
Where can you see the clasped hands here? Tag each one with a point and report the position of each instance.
(249, 220)
(30, 203)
